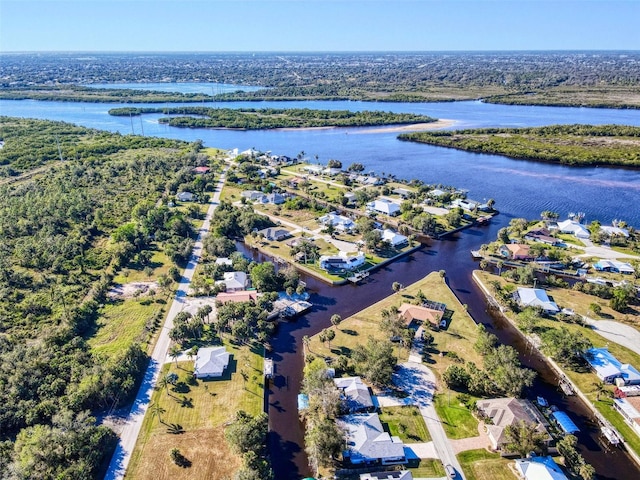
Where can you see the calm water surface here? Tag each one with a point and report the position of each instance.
(520, 188)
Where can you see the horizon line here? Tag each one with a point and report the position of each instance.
(254, 52)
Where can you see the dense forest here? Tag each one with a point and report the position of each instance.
(606, 145)
(564, 78)
(96, 204)
(267, 118)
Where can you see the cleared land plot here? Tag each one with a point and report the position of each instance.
(213, 404)
(457, 419)
(484, 465)
(405, 422)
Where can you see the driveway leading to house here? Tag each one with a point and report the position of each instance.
(133, 422)
(419, 383)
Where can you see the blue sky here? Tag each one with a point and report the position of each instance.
(327, 25)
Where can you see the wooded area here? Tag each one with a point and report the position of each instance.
(66, 232)
(268, 118)
(605, 145)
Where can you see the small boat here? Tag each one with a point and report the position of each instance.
(610, 435)
(542, 402)
(476, 254)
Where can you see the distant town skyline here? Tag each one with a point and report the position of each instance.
(310, 25)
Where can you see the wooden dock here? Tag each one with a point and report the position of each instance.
(357, 277)
(476, 254)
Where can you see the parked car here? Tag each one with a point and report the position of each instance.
(451, 472)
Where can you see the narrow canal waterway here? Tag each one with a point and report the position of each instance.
(451, 255)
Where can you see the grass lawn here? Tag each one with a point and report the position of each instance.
(457, 420)
(121, 324)
(406, 423)
(213, 404)
(426, 468)
(484, 465)
(458, 337)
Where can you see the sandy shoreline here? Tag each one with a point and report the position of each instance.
(416, 127)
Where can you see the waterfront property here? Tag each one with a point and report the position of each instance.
(368, 443)
(274, 234)
(565, 423)
(629, 409)
(535, 297)
(575, 228)
(609, 369)
(395, 239)
(211, 362)
(614, 266)
(423, 315)
(237, 296)
(539, 468)
(355, 394)
(516, 251)
(234, 281)
(542, 235)
(342, 261)
(503, 412)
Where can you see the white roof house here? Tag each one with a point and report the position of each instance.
(211, 362)
(393, 475)
(355, 392)
(571, 226)
(395, 239)
(339, 222)
(252, 195)
(539, 468)
(185, 196)
(607, 230)
(384, 205)
(367, 442)
(342, 261)
(234, 281)
(224, 261)
(536, 297)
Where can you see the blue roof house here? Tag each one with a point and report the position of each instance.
(608, 368)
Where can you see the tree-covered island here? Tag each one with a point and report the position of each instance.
(269, 118)
(583, 145)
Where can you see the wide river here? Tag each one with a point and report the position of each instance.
(520, 188)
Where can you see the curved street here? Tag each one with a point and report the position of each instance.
(133, 422)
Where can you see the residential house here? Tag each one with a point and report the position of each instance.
(613, 231)
(350, 197)
(539, 468)
(542, 235)
(342, 261)
(467, 204)
(339, 222)
(395, 239)
(384, 205)
(368, 443)
(331, 171)
(614, 266)
(403, 192)
(608, 368)
(393, 475)
(516, 251)
(211, 362)
(201, 170)
(573, 227)
(629, 409)
(535, 297)
(355, 394)
(503, 412)
(314, 169)
(253, 195)
(224, 261)
(437, 193)
(416, 313)
(237, 296)
(185, 196)
(234, 281)
(273, 198)
(274, 234)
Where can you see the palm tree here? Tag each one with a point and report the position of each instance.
(163, 383)
(157, 411)
(305, 343)
(601, 389)
(174, 353)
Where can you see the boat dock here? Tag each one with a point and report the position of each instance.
(476, 254)
(357, 277)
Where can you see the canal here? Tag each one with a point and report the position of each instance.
(451, 255)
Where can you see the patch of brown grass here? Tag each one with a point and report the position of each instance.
(206, 449)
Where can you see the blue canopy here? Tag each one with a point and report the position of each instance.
(303, 401)
(566, 424)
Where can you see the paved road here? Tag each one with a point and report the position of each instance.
(617, 332)
(131, 429)
(414, 378)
